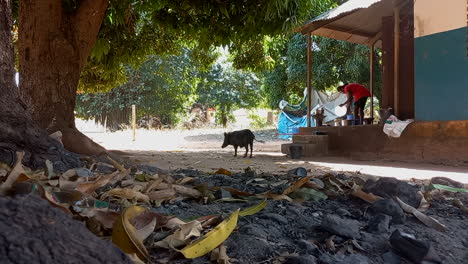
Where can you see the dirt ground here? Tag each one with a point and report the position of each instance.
(201, 150)
(317, 220)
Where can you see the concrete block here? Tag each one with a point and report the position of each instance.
(311, 139)
(308, 150)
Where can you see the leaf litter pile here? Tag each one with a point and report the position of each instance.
(188, 216)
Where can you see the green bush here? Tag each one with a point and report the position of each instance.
(258, 122)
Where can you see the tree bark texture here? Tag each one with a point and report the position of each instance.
(54, 45)
(17, 129)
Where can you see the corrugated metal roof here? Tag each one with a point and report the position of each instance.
(340, 11)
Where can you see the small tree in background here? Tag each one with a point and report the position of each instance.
(161, 87)
(228, 89)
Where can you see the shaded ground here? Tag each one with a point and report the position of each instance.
(340, 229)
(285, 228)
(201, 149)
(292, 232)
(32, 231)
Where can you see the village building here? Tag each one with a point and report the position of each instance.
(424, 48)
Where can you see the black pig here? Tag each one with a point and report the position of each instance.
(241, 138)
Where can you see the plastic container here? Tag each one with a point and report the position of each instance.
(295, 152)
(346, 122)
(340, 110)
(350, 117)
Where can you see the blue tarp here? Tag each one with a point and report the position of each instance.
(287, 123)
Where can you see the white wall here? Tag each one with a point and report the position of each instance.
(435, 16)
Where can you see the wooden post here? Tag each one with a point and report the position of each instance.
(396, 67)
(134, 121)
(309, 76)
(270, 117)
(371, 79)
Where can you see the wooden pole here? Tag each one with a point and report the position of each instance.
(371, 79)
(134, 121)
(396, 60)
(309, 76)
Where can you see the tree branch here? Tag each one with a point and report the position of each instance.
(87, 23)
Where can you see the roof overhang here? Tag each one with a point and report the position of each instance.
(357, 21)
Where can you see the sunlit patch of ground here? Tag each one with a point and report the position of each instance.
(200, 149)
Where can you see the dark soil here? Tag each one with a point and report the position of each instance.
(284, 228)
(32, 231)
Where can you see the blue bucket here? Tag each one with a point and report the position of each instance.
(350, 117)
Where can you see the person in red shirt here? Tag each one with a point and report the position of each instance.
(360, 94)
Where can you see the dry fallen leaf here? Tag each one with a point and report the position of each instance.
(182, 236)
(330, 244)
(69, 174)
(162, 195)
(14, 174)
(50, 169)
(223, 171)
(116, 164)
(89, 187)
(296, 185)
(125, 235)
(187, 191)
(145, 223)
(424, 204)
(167, 178)
(69, 180)
(427, 220)
(173, 223)
(357, 245)
(336, 185)
(138, 186)
(126, 193)
(274, 196)
(55, 203)
(120, 176)
(208, 220)
(106, 218)
(184, 180)
(219, 255)
(4, 169)
(368, 197)
(460, 205)
(152, 185)
(53, 183)
(68, 197)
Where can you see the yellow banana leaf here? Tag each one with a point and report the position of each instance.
(125, 236)
(212, 239)
(254, 209)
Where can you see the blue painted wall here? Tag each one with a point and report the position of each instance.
(441, 76)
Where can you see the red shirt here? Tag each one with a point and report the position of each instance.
(357, 91)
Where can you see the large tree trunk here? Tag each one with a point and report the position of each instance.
(17, 129)
(54, 45)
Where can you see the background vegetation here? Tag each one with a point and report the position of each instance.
(248, 74)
